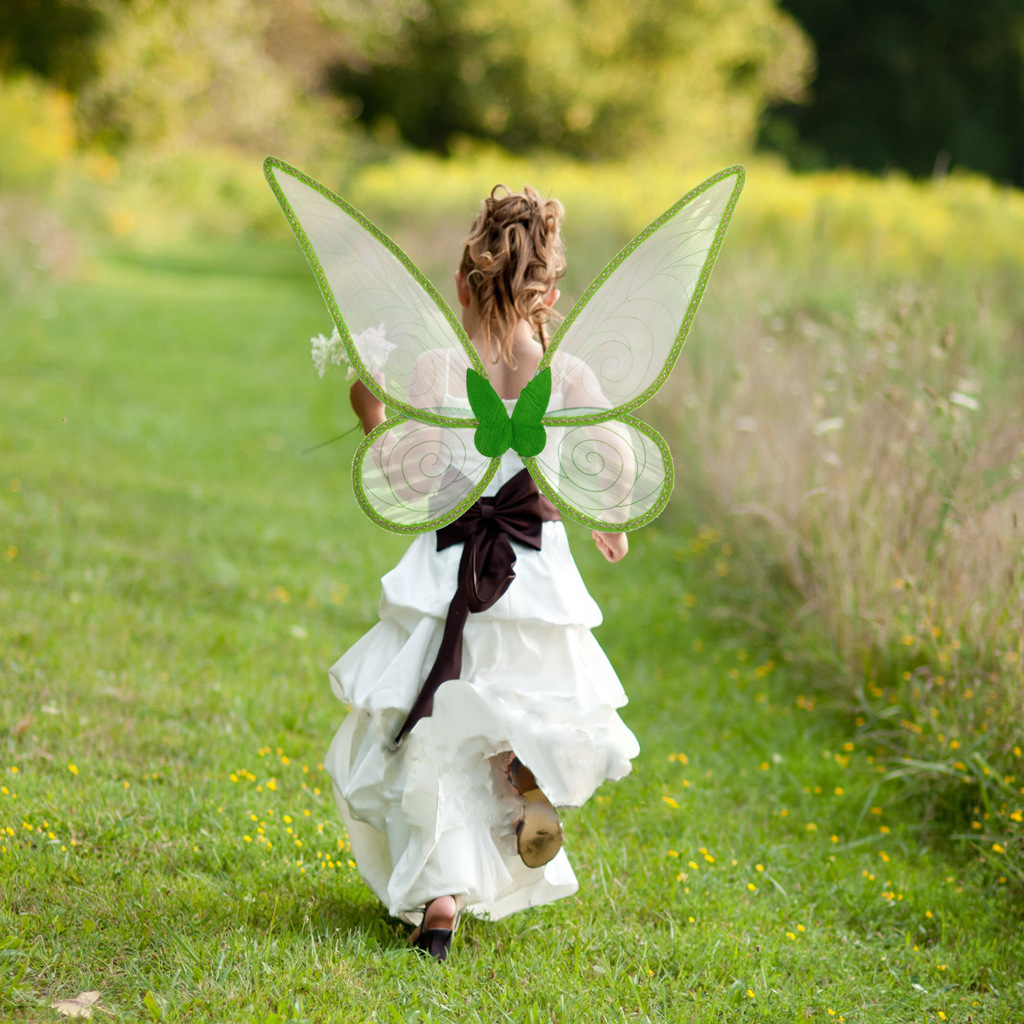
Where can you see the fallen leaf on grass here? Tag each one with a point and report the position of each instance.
(81, 1006)
(23, 725)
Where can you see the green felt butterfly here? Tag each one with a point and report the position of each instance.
(523, 431)
(572, 425)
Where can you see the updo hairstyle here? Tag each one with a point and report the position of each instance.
(513, 258)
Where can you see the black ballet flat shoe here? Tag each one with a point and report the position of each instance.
(539, 832)
(435, 942)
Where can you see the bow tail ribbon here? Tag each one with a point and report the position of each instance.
(486, 570)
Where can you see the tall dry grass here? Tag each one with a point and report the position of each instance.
(866, 440)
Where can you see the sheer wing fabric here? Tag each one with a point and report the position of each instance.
(614, 475)
(411, 476)
(404, 340)
(615, 349)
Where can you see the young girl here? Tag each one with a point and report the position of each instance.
(458, 816)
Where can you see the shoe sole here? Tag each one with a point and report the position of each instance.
(539, 834)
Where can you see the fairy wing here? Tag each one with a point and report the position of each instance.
(411, 476)
(402, 338)
(419, 470)
(612, 475)
(614, 350)
(620, 341)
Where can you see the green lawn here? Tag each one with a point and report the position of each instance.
(175, 579)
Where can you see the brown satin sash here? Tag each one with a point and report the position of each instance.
(486, 529)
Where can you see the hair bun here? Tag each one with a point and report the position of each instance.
(512, 259)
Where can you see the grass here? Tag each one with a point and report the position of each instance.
(865, 442)
(175, 579)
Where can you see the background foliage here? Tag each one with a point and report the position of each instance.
(913, 84)
(923, 85)
(595, 78)
(847, 420)
(888, 308)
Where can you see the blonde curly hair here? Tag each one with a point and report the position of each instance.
(513, 257)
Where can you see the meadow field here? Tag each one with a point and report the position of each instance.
(821, 638)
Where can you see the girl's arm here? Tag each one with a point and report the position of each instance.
(582, 389)
(366, 405)
(614, 546)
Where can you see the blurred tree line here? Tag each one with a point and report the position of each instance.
(913, 84)
(921, 85)
(594, 78)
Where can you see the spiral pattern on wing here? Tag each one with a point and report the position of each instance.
(417, 471)
(609, 470)
(594, 463)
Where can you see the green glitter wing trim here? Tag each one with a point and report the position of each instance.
(629, 327)
(399, 333)
(610, 476)
(597, 464)
(411, 477)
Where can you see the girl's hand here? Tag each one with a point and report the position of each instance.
(613, 546)
(366, 405)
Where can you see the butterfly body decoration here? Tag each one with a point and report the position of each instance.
(572, 425)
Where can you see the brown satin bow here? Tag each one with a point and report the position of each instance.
(486, 529)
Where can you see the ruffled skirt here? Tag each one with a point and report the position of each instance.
(437, 816)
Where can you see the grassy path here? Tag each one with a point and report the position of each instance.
(174, 580)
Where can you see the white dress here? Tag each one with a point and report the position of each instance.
(437, 816)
